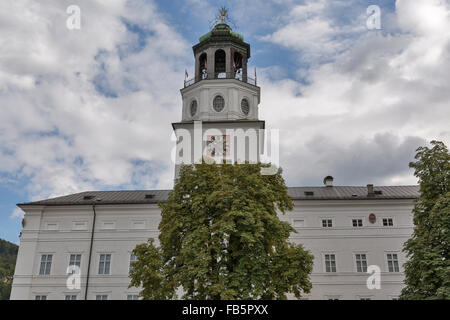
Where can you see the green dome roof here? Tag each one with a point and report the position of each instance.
(221, 29)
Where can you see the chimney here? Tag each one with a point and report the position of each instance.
(328, 181)
(370, 191)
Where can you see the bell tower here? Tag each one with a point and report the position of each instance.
(221, 98)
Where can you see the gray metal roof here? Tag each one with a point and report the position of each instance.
(297, 193)
(345, 193)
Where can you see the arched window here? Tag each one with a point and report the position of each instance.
(237, 61)
(237, 65)
(219, 62)
(203, 65)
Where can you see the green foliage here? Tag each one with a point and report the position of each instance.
(428, 269)
(221, 238)
(8, 255)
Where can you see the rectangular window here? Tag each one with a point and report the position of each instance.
(75, 261)
(104, 264)
(41, 298)
(392, 259)
(299, 223)
(388, 222)
(361, 262)
(108, 225)
(133, 258)
(101, 297)
(52, 226)
(327, 223)
(46, 264)
(79, 225)
(330, 263)
(138, 225)
(132, 297)
(357, 223)
(71, 297)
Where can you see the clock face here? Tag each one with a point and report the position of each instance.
(218, 146)
(193, 108)
(245, 107)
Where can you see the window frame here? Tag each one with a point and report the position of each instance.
(327, 220)
(80, 225)
(105, 223)
(248, 106)
(396, 267)
(130, 261)
(47, 264)
(101, 271)
(138, 224)
(216, 96)
(387, 219)
(363, 268)
(191, 105)
(324, 256)
(76, 264)
(357, 220)
(132, 296)
(52, 223)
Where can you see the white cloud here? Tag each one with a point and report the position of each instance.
(372, 97)
(308, 29)
(364, 113)
(17, 214)
(58, 131)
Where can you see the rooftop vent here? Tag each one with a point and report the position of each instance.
(149, 196)
(370, 191)
(328, 181)
(88, 197)
(378, 192)
(309, 193)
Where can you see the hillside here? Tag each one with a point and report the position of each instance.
(8, 255)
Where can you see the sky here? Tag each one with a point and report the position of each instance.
(91, 109)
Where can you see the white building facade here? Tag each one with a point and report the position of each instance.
(349, 230)
(345, 228)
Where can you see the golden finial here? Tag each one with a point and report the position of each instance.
(223, 14)
(222, 17)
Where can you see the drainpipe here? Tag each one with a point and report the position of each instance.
(90, 252)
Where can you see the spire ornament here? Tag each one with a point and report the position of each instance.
(222, 17)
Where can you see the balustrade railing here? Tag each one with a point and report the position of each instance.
(220, 75)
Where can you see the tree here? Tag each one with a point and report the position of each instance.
(8, 255)
(428, 268)
(220, 238)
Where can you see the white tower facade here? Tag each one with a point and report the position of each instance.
(221, 101)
